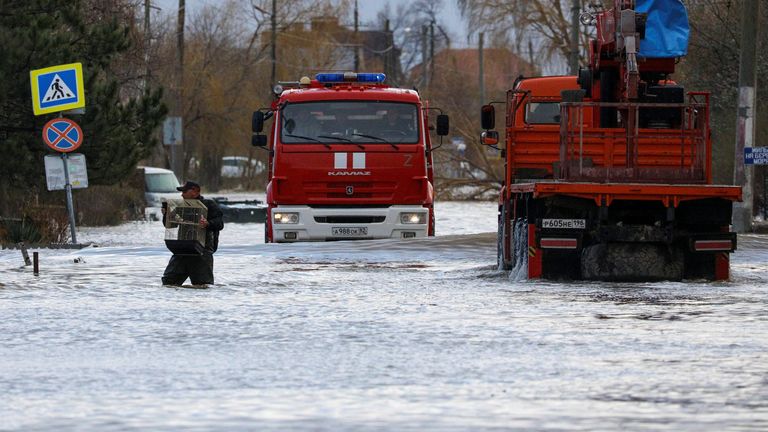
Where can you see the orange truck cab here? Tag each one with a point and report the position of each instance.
(350, 158)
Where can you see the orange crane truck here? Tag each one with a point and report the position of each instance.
(608, 174)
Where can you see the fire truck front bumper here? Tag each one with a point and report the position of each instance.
(304, 223)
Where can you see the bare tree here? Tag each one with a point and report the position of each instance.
(408, 22)
(227, 71)
(536, 29)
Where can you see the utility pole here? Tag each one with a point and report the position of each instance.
(387, 57)
(147, 39)
(530, 55)
(574, 60)
(743, 175)
(432, 51)
(273, 52)
(356, 42)
(481, 73)
(390, 54)
(177, 151)
(424, 57)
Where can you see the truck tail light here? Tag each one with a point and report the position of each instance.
(558, 243)
(713, 245)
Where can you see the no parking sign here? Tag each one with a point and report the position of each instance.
(63, 135)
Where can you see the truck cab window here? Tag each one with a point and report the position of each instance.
(360, 122)
(542, 113)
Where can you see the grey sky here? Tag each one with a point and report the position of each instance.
(450, 16)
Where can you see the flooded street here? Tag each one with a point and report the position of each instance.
(372, 336)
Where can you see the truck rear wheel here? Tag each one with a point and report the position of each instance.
(631, 262)
(520, 246)
(501, 241)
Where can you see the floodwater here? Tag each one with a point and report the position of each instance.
(372, 336)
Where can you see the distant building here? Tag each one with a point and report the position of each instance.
(501, 68)
(453, 84)
(324, 44)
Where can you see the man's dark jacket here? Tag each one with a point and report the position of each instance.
(215, 224)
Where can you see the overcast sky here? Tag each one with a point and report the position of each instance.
(450, 17)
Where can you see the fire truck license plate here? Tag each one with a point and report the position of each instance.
(349, 231)
(564, 223)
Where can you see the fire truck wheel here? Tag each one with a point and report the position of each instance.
(631, 262)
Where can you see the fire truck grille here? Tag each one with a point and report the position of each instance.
(342, 190)
(349, 219)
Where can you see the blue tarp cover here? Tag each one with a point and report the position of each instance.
(666, 31)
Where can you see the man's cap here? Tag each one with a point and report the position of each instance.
(187, 186)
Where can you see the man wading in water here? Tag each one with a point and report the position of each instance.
(198, 268)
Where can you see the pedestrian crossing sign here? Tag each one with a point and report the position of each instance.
(57, 88)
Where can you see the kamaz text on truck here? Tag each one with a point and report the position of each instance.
(609, 173)
(350, 158)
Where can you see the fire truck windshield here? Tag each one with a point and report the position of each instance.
(356, 122)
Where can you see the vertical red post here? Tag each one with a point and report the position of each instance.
(722, 266)
(534, 254)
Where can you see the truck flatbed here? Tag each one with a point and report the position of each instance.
(606, 193)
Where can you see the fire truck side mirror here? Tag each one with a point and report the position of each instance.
(443, 125)
(488, 117)
(489, 138)
(258, 140)
(257, 121)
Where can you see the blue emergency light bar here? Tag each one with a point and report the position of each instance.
(375, 78)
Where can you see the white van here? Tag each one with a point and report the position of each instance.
(159, 185)
(240, 166)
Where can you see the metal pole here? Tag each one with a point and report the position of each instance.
(743, 175)
(355, 42)
(24, 253)
(574, 60)
(147, 16)
(424, 57)
(480, 67)
(273, 52)
(431, 51)
(177, 151)
(387, 56)
(70, 207)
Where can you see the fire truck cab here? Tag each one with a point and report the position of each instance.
(350, 158)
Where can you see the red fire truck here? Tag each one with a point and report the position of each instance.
(350, 158)
(609, 174)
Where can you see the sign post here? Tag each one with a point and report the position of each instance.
(172, 137)
(64, 136)
(70, 207)
(56, 89)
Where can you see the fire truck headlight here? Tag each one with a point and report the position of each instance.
(286, 218)
(413, 218)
